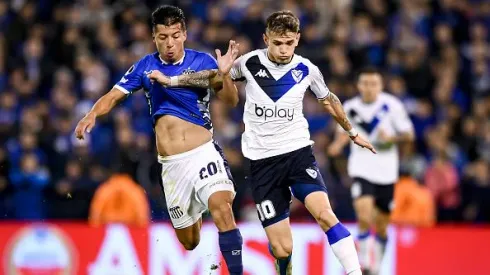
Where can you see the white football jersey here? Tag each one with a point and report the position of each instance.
(388, 114)
(273, 115)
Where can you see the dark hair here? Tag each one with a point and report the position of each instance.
(168, 15)
(281, 22)
(369, 70)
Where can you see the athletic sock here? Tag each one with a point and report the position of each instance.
(379, 248)
(283, 263)
(364, 245)
(344, 248)
(230, 244)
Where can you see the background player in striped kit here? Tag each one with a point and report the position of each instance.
(383, 119)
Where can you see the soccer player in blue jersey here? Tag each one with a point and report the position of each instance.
(195, 174)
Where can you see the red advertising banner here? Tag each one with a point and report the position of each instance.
(75, 248)
(443, 250)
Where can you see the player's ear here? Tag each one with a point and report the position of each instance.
(298, 36)
(266, 39)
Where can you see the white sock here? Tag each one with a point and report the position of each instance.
(344, 248)
(364, 242)
(379, 248)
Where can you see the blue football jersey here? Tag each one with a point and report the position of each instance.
(190, 104)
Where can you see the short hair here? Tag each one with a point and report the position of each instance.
(369, 70)
(281, 22)
(168, 15)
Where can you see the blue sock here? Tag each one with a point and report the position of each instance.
(337, 233)
(283, 263)
(363, 235)
(230, 244)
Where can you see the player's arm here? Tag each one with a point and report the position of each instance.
(129, 83)
(333, 106)
(220, 80)
(103, 106)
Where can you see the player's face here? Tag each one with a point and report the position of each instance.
(370, 85)
(281, 46)
(169, 41)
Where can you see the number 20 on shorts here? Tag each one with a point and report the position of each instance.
(266, 210)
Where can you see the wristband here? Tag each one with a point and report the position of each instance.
(174, 81)
(353, 133)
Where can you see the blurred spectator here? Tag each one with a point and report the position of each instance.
(441, 178)
(119, 200)
(28, 183)
(58, 57)
(477, 181)
(414, 204)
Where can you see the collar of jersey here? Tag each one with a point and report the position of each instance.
(178, 62)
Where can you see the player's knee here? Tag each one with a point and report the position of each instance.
(190, 244)
(364, 218)
(282, 249)
(222, 214)
(381, 226)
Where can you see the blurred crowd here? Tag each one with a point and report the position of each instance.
(58, 57)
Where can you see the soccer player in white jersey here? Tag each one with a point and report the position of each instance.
(382, 118)
(277, 142)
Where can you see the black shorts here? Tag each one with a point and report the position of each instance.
(273, 180)
(383, 193)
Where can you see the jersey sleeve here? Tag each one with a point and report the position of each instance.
(208, 62)
(236, 70)
(132, 80)
(318, 86)
(401, 120)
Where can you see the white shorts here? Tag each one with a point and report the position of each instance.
(190, 178)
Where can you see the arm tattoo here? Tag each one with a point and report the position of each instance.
(200, 79)
(339, 114)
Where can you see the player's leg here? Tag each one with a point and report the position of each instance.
(281, 245)
(185, 217)
(190, 236)
(340, 239)
(217, 192)
(184, 211)
(363, 198)
(309, 188)
(230, 239)
(271, 194)
(384, 205)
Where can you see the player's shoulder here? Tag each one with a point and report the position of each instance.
(141, 64)
(151, 57)
(353, 101)
(306, 61)
(390, 99)
(243, 58)
(198, 54)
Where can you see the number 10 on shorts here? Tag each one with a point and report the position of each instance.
(266, 210)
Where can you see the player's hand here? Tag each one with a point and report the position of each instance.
(225, 62)
(85, 125)
(159, 77)
(359, 141)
